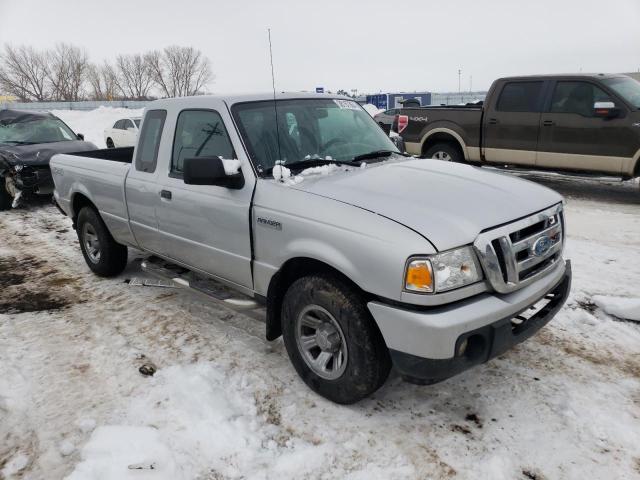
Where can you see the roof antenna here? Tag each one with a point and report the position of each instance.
(275, 108)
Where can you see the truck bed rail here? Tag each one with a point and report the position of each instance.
(124, 154)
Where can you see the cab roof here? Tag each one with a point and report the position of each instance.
(241, 98)
(565, 75)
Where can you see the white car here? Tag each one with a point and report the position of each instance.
(123, 133)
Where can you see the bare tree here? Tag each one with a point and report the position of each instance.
(103, 82)
(179, 71)
(23, 73)
(134, 78)
(67, 71)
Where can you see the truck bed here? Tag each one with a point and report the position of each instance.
(123, 155)
(100, 176)
(465, 120)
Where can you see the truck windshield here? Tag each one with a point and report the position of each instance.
(309, 129)
(626, 87)
(41, 130)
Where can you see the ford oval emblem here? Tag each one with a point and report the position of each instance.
(541, 246)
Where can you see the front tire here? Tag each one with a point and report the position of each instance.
(110, 143)
(104, 256)
(332, 340)
(445, 152)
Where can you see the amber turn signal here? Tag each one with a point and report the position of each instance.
(419, 276)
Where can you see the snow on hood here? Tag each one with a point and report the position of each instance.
(282, 174)
(450, 204)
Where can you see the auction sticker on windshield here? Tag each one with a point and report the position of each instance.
(348, 104)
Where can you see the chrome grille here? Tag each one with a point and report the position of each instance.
(519, 253)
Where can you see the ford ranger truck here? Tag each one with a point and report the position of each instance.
(575, 123)
(365, 258)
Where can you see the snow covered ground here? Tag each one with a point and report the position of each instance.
(226, 404)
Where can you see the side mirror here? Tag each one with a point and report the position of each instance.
(210, 171)
(605, 110)
(80, 136)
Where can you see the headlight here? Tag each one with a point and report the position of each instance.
(442, 271)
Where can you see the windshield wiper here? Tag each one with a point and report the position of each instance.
(375, 154)
(16, 142)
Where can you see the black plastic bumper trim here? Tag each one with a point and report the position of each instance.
(484, 343)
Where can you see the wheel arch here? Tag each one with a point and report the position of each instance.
(79, 200)
(292, 270)
(444, 135)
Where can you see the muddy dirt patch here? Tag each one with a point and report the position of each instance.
(32, 302)
(29, 284)
(17, 272)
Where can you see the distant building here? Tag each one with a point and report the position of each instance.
(385, 101)
(634, 75)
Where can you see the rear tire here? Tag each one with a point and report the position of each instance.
(445, 152)
(6, 200)
(110, 143)
(104, 256)
(323, 316)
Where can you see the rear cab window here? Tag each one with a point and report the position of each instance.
(199, 133)
(149, 141)
(520, 97)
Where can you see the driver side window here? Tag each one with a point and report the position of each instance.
(577, 97)
(199, 133)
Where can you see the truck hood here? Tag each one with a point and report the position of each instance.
(39, 154)
(447, 203)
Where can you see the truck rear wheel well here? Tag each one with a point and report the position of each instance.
(291, 271)
(442, 137)
(78, 202)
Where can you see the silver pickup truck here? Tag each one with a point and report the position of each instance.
(365, 259)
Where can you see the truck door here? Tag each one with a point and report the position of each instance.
(206, 227)
(512, 122)
(141, 183)
(572, 136)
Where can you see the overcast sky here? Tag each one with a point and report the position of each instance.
(369, 45)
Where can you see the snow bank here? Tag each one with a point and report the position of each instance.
(621, 307)
(194, 419)
(92, 123)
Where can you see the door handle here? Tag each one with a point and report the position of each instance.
(548, 123)
(493, 121)
(166, 194)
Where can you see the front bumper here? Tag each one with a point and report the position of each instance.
(425, 345)
(36, 180)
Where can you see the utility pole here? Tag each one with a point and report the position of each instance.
(459, 77)
(470, 83)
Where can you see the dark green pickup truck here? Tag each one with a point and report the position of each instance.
(587, 123)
